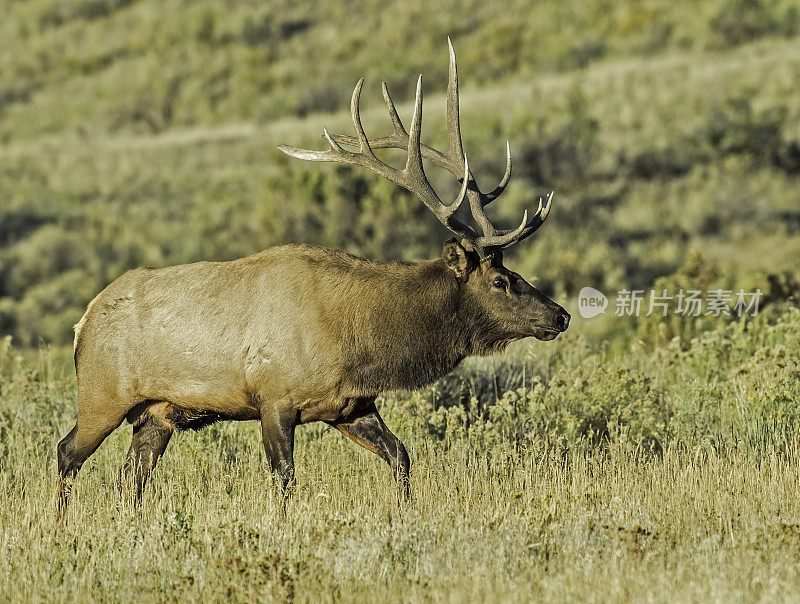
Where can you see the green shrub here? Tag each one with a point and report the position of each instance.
(8, 316)
(49, 310)
(740, 21)
(734, 127)
(567, 152)
(62, 12)
(586, 404)
(257, 30)
(657, 330)
(46, 253)
(669, 162)
(207, 27)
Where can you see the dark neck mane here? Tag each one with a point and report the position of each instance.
(398, 324)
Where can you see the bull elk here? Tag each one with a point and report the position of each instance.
(301, 333)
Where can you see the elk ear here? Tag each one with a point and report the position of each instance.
(457, 258)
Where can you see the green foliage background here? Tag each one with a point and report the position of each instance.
(143, 133)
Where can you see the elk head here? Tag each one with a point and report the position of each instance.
(500, 300)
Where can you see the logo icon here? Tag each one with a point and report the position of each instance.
(591, 302)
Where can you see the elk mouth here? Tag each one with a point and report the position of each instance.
(545, 334)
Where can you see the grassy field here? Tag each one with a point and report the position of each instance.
(660, 476)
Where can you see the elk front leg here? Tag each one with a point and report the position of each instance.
(277, 430)
(367, 429)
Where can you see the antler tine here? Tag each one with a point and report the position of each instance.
(455, 151)
(335, 153)
(495, 193)
(415, 170)
(354, 109)
(451, 209)
(536, 221)
(414, 161)
(399, 130)
(399, 139)
(540, 216)
(334, 145)
(504, 239)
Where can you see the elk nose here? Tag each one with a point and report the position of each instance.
(564, 321)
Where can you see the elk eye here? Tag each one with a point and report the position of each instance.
(499, 283)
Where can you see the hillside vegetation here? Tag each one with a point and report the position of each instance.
(144, 133)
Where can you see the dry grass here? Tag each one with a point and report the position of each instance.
(713, 516)
(689, 526)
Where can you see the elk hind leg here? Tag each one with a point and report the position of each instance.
(277, 430)
(151, 434)
(75, 448)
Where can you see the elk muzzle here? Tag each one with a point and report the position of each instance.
(556, 322)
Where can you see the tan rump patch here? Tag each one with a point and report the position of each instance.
(79, 325)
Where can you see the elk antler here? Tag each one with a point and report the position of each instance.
(412, 176)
